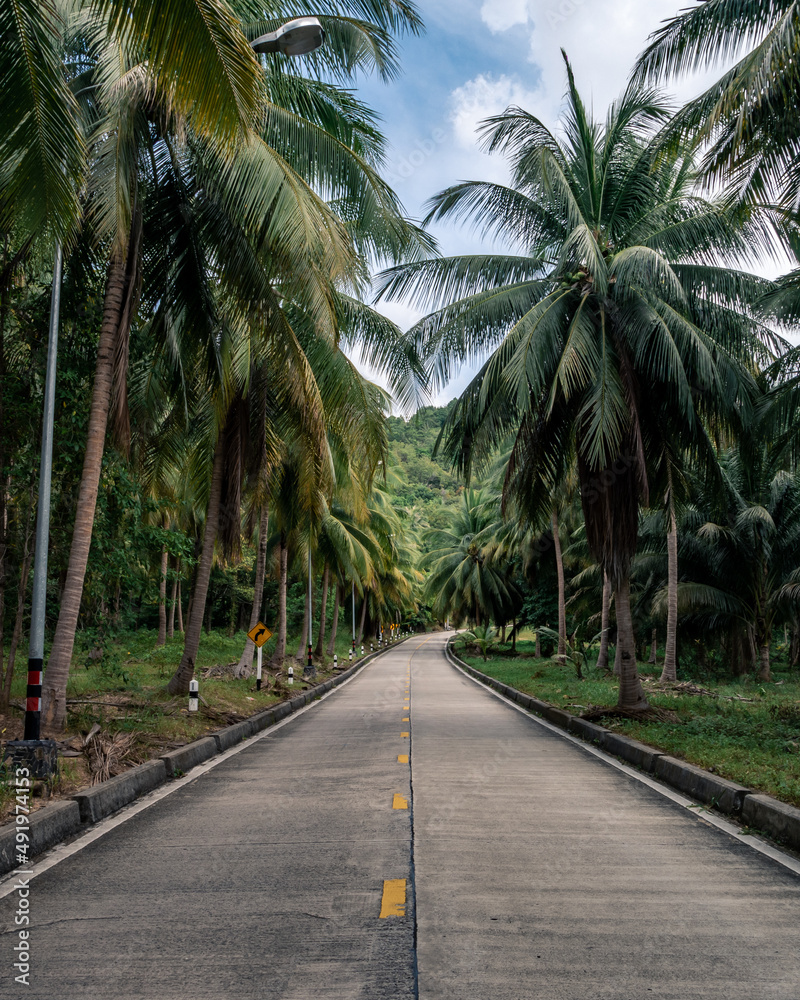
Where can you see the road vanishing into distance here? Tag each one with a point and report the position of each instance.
(411, 835)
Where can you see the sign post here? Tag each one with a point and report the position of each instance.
(258, 635)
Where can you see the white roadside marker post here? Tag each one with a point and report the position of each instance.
(291, 675)
(362, 648)
(258, 671)
(335, 662)
(194, 695)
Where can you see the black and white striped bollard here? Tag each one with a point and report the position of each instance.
(194, 695)
(291, 675)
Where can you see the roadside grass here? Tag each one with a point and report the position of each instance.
(744, 730)
(124, 694)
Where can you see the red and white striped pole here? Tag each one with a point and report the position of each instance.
(33, 700)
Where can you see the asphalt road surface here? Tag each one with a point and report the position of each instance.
(411, 836)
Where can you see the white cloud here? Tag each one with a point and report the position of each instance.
(602, 38)
(481, 97)
(502, 16)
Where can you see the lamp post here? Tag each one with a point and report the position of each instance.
(38, 755)
(297, 37)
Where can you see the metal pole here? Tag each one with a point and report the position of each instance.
(310, 664)
(354, 619)
(258, 671)
(33, 703)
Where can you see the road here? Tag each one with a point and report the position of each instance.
(411, 836)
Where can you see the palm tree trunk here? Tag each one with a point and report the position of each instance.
(179, 684)
(363, 619)
(180, 604)
(283, 573)
(670, 674)
(54, 688)
(245, 664)
(631, 693)
(562, 602)
(764, 637)
(162, 599)
(335, 623)
(172, 602)
(300, 655)
(653, 646)
(323, 611)
(605, 614)
(537, 652)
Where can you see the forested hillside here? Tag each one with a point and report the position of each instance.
(423, 487)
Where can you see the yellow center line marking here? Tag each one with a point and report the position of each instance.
(405, 734)
(402, 758)
(399, 801)
(393, 903)
(406, 719)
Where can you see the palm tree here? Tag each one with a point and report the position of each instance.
(745, 568)
(749, 116)
(256, 211)
(619, 325)
(42, 142)
(462, 583)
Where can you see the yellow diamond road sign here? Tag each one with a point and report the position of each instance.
(259, 634)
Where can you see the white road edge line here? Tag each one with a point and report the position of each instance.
(696, 809)
(49, 859)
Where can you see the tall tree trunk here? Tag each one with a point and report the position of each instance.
(16, 635)
(670, 674)
(605, 614)
(180, 603)
(764, 634)
(54, 688)
(335, 623)
(173, 597)
(794, 654)
(751, 641)
(537, 651)
(562, 601)
(283, 574)
(631, 693)
(162, 598)
(245, 664)
(179, 683)
(300, 655)
(3, 507)
(323, 612)
(360, 638)
(514, 635)
(617, 656)
(653, 646)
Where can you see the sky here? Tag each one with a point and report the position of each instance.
(475, 59)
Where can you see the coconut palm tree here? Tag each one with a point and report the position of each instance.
(743, 575)
(268, 233)
(462, 583)
(620, 323)
(749, 116)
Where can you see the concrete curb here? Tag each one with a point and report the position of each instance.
(780, 820)
(764, 813)
(54, 823)
(184, 759)
(47, 827)
(106, 798)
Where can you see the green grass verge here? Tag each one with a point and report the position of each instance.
(745, 730)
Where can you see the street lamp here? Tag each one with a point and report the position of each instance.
(295, 38)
